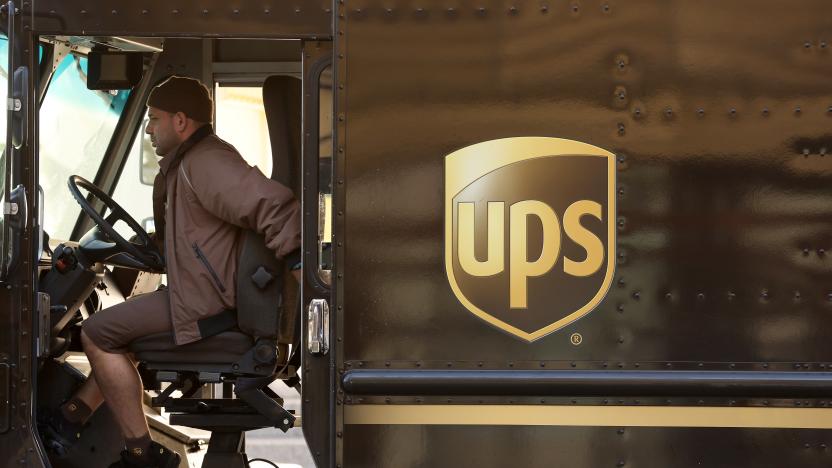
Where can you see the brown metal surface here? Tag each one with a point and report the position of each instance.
(245, 18)
(318, 377)
(18, 310)
(719, 115)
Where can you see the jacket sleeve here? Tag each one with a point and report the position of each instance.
(233, 191)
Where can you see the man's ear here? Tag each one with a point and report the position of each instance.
(180, 121)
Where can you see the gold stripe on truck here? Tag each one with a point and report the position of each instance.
(632, 416)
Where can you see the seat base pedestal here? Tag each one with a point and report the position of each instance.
(226, 450)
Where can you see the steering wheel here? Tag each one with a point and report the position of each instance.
(103, 243)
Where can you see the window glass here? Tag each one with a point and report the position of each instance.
(325, 173)
(76, 125)
(131, 192)
(241, 121)
(325, 146)
(4, 162)
(149, 161)
(4, 62)
(325, 129)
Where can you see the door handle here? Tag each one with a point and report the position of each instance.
(16, 215)
(318, 327)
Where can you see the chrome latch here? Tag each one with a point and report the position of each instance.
(14, 104)
(318, 327)
(10, 208)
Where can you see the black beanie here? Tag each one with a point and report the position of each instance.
(181, 94)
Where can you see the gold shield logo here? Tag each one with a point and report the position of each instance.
(529, 231)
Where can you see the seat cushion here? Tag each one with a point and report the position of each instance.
(224, 348)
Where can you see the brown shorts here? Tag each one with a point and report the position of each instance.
(115, 327)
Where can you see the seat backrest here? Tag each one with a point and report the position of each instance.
(283, 106)
(259, 288)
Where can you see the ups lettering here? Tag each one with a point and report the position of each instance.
(529, 242)
(521, 268)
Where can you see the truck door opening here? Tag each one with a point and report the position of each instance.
(99, 135)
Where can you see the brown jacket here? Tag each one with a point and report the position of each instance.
(211, 195)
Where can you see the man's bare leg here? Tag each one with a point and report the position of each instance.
(116, 378)
(89, 394)
(87, 398)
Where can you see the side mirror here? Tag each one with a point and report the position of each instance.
(148, 159)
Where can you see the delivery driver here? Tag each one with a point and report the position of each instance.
(203, 195)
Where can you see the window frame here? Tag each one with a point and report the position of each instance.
(319, 278)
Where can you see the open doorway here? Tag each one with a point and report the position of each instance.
(115, 154)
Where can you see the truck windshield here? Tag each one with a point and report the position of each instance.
(76, 125)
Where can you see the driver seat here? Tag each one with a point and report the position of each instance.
(241, 350)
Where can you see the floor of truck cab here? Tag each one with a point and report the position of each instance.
(189, 442)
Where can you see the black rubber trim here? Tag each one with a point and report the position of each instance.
(589, 383)
(216, 324)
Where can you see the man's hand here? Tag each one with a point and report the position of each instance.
(135, 238)
(296, 274)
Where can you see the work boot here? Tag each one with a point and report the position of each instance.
(157, 456)
(58, 433)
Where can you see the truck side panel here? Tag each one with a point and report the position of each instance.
(718, 115)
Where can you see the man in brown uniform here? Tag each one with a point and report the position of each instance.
(204, 195)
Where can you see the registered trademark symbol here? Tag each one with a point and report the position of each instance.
(576, 339)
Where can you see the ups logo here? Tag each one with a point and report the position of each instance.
(529, 231)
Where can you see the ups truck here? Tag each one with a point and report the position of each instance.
(586, 233)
